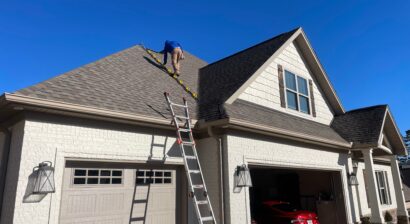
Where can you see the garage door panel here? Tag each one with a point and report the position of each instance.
(119, 203)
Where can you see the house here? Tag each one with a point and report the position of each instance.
(106, 130)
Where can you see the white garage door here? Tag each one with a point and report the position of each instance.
(111, 196)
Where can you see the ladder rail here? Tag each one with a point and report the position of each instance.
(188, 126)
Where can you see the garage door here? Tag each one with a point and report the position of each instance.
(104, 195)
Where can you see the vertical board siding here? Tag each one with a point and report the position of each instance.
(265, 89)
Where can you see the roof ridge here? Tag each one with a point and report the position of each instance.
(251, 47)
(367, 108)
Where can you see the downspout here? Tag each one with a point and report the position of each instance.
(4, 163)
(221, 171)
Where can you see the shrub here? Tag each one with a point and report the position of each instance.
(365, 220)
(388, 217)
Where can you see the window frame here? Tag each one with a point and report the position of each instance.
(99, 176)
(298, 94)
(153, 177)
(381, 178)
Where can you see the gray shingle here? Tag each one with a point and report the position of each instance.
(362, 126)
(128, 81)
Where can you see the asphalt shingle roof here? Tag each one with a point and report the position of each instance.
(128, 81)
(221, 79)
(362, 126)
(131, 81)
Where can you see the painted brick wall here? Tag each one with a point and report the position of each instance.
(208, 153)
(364, 207)
(273, 152)
(265, 89)
(12, 177)
(44, 140)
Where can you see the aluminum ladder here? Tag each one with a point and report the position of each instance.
(185, 140)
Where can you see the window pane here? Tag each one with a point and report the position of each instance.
(158, 174)
(116, 180)
(92, 172)
(159, 181)
(117, 173)
(79, 180)
(105, 173)
(302, 86)
(105, 181)
(304, 104)
(167, 174)
(92, 181)
(167, 181)
(140, 180)
(290, 81)
(292, 100)
(79, 173)
(140, 173)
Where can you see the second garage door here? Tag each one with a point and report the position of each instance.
(110, 194)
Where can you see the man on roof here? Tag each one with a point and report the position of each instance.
(177, 54)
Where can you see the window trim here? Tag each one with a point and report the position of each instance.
(297, 92)
(383, 174)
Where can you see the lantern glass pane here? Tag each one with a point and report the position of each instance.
(45, 180)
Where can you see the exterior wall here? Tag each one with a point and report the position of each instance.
(208, 153)
(240, 149)
(12, 176)
(52, 140)
(361, 189)
(265, 89)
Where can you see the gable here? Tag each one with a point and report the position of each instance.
(264, 90)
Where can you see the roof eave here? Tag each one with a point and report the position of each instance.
(67, 108)
(272, 131)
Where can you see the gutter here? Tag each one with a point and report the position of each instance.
(248, 126)
(221, 172)
(4, 163)
(76, 108)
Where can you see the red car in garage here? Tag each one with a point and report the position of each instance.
(280, 212)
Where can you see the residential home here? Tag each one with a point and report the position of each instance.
(105, 129)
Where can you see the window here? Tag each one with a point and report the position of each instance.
(154, 177)
(297, 93)
(97, 176)
(383, 187)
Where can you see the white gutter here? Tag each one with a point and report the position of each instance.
(58, 105)
(244, 125)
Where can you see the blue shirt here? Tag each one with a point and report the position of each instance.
(169, 47)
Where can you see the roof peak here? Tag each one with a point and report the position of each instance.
(253, 46)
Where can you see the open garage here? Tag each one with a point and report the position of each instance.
(314, 191)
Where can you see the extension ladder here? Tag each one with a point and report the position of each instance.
(185, 140)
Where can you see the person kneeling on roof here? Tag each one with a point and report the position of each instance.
(177, 54)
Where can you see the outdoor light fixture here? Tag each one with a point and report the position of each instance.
(44, 180)
(352, 176)
(243, 176)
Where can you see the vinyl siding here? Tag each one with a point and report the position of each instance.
(265, 89)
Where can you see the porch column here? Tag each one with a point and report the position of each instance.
(402, 214)
(352, 191)
(377, 215)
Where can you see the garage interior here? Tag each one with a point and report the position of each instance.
(312, 190)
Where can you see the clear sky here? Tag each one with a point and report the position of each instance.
(363, 45)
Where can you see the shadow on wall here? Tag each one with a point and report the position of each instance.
(29, 196)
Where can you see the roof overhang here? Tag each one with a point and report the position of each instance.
(14, 103)
(314, 65)
(237, 124)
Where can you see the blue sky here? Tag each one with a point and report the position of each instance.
(363, 45)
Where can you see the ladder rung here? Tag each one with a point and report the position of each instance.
(194, 171)
(188, 143)
(198, 186)
(184, 130)
(190, 157)
(209, 218)
(181, 117)
(202, 202)
(178, 105)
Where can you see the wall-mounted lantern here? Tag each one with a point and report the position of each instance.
(44, 181)
(243, 176)
(353, 175)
